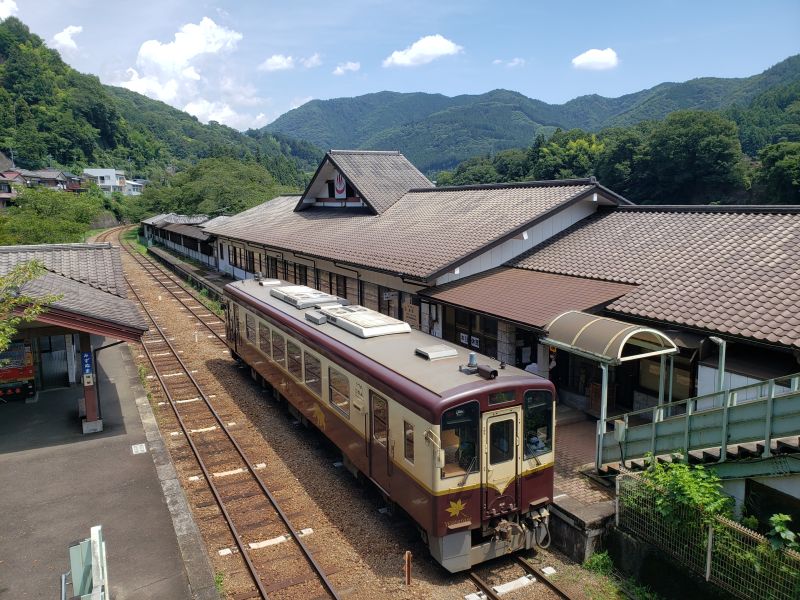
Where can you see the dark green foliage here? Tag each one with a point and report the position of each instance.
(780, 172)
(779, 535)
(52, 115)
(682, 487)
(436, 132)
(600, 563)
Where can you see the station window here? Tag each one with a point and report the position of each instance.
(339, 389)
(341, 286)
(263, 338)
(250, 327)
(501, 441)
(538, 415)
(313, 375)
(380, 418)
(301, 274)
(460, 439)
(408, 441)
(278, 349)
(501, 397)
(294, 360)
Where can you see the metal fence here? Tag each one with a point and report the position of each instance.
(734, 558)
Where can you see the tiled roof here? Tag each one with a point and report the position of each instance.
(215, 221)
(729, 270)
(97, 265)
(82, 299)
(381, 177)
(168, 218)
(527, 297)
(155, 218)
(424, 233)
(192, 231)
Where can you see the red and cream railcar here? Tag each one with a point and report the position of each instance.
(467, 452)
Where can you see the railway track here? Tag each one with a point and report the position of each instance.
(527, 582)
(276, 556)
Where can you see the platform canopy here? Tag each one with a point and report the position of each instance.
(606, 340)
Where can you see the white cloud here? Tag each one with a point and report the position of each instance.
(423, 51)
(149, 85)
(7, 8)
(277, 62)
(222, 112)
(510, 64)
(312, 61)
(300, 101)
(596, 60)
(343, 68)
(63, 39)
(191, 41)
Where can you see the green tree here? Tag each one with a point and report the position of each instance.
(15, 306)
(780, 173)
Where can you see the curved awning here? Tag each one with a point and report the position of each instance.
(604, 339)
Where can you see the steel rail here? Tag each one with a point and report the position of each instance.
(293, 532)
(540, 576)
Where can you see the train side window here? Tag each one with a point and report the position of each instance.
(339, 389)
(538, 423)
(501, 441)
(278, 349)
(313, 376)
(294, 360)
(460, 439)
(263, 338)
(408, 441)
(250, 327)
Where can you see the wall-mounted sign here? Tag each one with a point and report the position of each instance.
(463, 338)
(475, 342)
(86, 362)
(339, 187)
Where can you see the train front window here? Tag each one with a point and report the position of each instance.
(501, 441)
(294, 360)
(538, 409)
(460, 439)
(278, 349)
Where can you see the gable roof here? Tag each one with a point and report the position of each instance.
(733, 270)
(425, 233)
(97, 265)
(379, 177)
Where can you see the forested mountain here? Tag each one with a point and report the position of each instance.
(436, 132)
(52, 115)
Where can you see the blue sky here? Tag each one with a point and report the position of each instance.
(245, 62)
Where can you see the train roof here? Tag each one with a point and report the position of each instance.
(394, 351)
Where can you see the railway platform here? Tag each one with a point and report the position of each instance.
(58, 483)
(214, 281)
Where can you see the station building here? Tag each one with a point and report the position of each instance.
(59, 349)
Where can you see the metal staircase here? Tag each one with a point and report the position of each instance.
(760, 421)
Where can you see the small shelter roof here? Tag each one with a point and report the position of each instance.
(190, 231)
(604, 339)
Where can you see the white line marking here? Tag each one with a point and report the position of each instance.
(176, 433)
(173, 374)
(261, 465)
(138, 448)
(203, 429)
(231, 472)
(280, 539)
(194, 478)
(185, 401)
(232, 423)
(225, 552)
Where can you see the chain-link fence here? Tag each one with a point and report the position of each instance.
(739, 560)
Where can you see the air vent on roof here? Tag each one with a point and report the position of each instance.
(316, 317)
(363, 322)
(301, 296)
(268, 282)
(437, 351)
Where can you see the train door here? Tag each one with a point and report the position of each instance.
(233, 325)
(380, 469)
(500, 462)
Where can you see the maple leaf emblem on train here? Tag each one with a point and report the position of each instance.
(318, 416)
(456, 507)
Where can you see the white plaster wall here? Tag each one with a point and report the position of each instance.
(707, 384)
(509, 249)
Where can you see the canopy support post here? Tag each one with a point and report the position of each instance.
(603, 415)
(661, 372)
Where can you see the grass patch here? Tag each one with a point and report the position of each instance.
(600, 563)
(219, 581)
(131, 236)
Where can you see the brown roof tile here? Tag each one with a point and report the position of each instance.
(729, 270)
(528, 297)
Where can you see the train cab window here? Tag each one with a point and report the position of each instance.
(339, 389)
(408, 441)
(294, 360)
(380, 418)
(501, 397)
(460, 439)
(501, 441)
(278, 349)
(538, 415)
(263, 339)
(313, 374)
(250, 327)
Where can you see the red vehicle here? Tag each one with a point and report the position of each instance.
(16, 372)
(462, 443)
